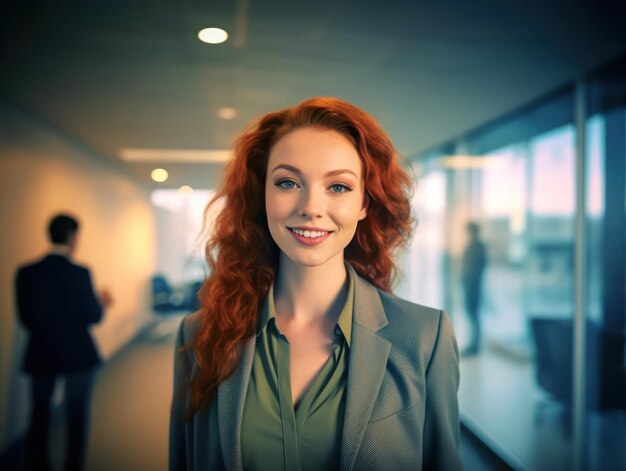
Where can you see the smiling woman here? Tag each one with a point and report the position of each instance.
(300, 357)
(314, 196)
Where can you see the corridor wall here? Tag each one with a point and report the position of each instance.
(42, 172)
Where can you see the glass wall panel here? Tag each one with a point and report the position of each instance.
(595, 215)
(515, 182)
(508, 275)
(501, 210)
(551, 220)
(606, 274)
(422, 269)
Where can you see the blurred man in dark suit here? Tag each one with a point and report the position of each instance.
(57, 304)
(474, 262)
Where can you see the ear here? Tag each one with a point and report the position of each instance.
(366, 202)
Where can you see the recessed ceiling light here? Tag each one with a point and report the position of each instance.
(159, 175)
(227, 113)
(212, 35)
(185, 189)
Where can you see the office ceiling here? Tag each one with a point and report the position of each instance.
(120, 74)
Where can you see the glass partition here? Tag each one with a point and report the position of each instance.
(606, 274)
(504, 267)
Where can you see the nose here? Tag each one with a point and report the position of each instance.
(311, 204)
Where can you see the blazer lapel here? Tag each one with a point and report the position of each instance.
(231, 398)
(368, 360)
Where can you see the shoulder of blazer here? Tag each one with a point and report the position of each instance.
(32, 265)
(191, 325)
(410, 324)
(76, 267)
(56, 262)
(402, 310)
(397, 320)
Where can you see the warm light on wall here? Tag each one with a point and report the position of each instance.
(159, 175)
(212, 35)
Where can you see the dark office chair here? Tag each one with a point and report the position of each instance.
(553, 355)
(167, 299)
(194, 288)
(167, 304)
(164, 298)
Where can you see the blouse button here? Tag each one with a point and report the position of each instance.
(337, 331)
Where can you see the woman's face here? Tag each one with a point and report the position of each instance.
(313, 195)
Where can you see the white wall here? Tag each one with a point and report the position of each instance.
(43, 172)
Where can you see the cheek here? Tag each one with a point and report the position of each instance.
(275, 206)
(269, 200)
(350, 213)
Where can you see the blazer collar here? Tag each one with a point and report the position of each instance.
(57, 256)
(367, 363)
(231, 399)
(368, 309)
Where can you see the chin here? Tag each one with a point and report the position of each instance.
(308, 260)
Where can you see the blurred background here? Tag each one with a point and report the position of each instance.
(511, 115)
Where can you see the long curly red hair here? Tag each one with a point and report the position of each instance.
(241, 253)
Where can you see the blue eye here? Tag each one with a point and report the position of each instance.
(286, 184)
(339, 188)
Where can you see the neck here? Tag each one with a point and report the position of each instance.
(307, 295)
(62, 249)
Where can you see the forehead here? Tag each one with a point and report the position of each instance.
(314, 149)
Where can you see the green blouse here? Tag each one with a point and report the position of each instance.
(278, 436)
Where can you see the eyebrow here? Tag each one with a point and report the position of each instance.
(327, 174)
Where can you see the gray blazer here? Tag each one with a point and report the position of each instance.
(401, 402)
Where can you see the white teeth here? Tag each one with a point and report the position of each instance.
(309, 234)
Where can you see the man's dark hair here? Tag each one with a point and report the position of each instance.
(473, 228)
(61, 227)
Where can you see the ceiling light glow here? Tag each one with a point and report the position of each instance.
(135, 154)
(227, 113)
(159, 175)
(212, 35)
(185, 189)
(465, 162)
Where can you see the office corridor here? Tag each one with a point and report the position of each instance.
(130, 413)
(131, 404)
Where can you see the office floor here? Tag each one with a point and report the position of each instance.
(129, 427)
(501, 404)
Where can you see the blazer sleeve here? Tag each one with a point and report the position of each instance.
(88, 309)
(178, 423)
(441, 422)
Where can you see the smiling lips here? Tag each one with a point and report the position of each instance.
(309, 235)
